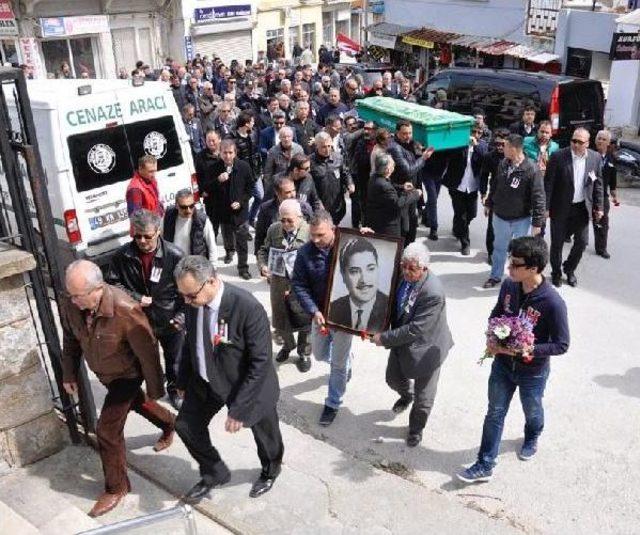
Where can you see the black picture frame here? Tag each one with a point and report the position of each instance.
(337, 303)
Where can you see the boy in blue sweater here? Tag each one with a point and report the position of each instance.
(526, 293)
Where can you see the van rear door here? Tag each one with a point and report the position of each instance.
(153, 126)
(98, 152)
(581, 104)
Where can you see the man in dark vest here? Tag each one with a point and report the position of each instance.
(188, 227)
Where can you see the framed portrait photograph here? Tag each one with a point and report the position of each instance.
(362, 281)
(276, 263)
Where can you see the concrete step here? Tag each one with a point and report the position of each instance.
(38, 507)
(54, 495)
(11, 522)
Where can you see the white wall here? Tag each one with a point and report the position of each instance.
(623, 104)
(492, 18)
(590, 30)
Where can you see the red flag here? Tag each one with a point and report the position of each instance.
(346, 45)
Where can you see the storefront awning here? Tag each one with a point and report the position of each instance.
(385, 34)
(427, 37)
(632, 18)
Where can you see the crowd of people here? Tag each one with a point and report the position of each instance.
(277, 152)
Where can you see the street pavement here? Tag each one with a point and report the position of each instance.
(358, 475)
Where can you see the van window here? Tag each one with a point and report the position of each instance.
(504, 99)
(100, 158)
(580, 103)
(157, 137)
(436, 83)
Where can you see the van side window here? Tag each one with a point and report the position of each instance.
(100, 158)
(157, 137)
(510, 99)
(438, 82)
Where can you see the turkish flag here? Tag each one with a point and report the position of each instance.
(348, 46)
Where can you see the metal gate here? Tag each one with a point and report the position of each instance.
(26, 222)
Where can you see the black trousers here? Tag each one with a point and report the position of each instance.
(358, 204)
(421, 389)
(601, 229)
(576, 224)
(490, 235)
(465, 209)
(236, 237)
(171, 343)
(200, 405)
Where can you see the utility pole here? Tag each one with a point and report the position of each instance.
(365, 13)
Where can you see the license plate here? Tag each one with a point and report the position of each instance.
(110, 218)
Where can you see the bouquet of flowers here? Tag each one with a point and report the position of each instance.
(514, 333)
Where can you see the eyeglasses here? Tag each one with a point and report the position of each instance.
(187, 206)
(513, 265)
(144, 236)
(578, 142)
(192, 296)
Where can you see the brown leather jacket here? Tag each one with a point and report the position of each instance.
(120, 343)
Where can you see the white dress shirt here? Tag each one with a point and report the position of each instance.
(366, 313)
(468, 184)
(214, 306)
(579, 169)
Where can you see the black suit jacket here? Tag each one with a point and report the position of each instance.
(237, 189)
(340, 312)
(558, 183)
(384, 206)
(457, 163)
(240, 372)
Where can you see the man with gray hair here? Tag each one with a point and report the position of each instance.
(419, 339)
(144, 269)
(227, 361)
(103, 325)
(279, 156)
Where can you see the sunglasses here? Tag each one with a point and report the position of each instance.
(578, 142)
(187, 206)
(278, 124)
(144, 236)
(513, 265)
(499, 143)
(287, 220)
(306, 169)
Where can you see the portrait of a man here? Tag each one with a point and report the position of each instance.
(365, 305)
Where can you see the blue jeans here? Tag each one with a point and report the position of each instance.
(430, 213)
(503, 231)
(258, 195)
(335, 348)
(504, 379)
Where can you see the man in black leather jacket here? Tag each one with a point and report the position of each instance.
(144, 269)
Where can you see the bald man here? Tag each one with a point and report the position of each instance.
(109, 329)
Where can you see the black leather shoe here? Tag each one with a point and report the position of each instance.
(413, 439)
(228, 258)
(263, 485)
(202, 489)
(282, 355)
(465, 250)
(604, 254)
(244, 274)
(571, 279)
(328, 416)
(401, 405)
(303, 364)
(433, 235)
(556, 280)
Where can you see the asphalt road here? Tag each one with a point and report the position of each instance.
(586, 477)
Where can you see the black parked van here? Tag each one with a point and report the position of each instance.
(566, 101)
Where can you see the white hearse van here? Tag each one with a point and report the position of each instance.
(90, 135)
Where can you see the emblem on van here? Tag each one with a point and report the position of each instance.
(101, 158)
(155, 144)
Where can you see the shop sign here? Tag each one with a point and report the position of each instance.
(31, 56)
(416, 41)
(383, 41)
(188, 47)
(63, 26)
(8, 26)
(209, 14)
(625, 46)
